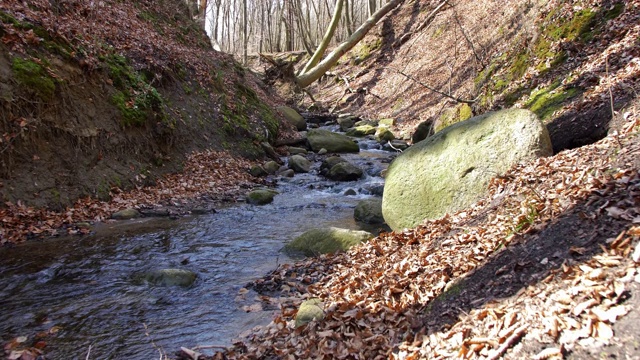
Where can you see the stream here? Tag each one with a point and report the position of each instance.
(87, 293)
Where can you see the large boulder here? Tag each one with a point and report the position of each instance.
(344, 171)
(271, 167)
(423, 131)
(171, 277)
(333, 142)
(299, 164)
(369, 211)
(309, 310)
(293, 117)
(451, 170)
(261, 196)
(326, 240)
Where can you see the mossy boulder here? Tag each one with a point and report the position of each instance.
(293, 117)
(326, 240)
(261, 196)
(271, 167)
(362, 130)
(299, 164)
(451, 170)
(257, 171)
(308, 311)
(383, 134)
(171, 277)
(333, 142)
(369, 211)
(344, 171)
(126, 214)
(330, 162)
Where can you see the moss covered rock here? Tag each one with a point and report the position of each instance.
(362, 130)
(271, 167)
(299, 164)
(293, 117)
(326, 240)
(126, 214)
(383, 134)
(344, 171)
(333, 142)
(171, 277)
(451, 170)
(309, 310)
(261, 196)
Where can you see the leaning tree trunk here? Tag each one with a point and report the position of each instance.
(315, 59)
(307, 78)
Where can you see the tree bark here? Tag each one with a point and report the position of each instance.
(315, 59)
(316, 72)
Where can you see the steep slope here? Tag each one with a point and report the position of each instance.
(568, 61)
(107, 95)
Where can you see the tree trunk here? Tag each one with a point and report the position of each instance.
(314, 74)
(245, 36)
(315, 59)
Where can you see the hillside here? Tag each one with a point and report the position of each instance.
(100, 98)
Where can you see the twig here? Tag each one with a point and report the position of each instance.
(606, 61)
(508, 343)
(431, 15)
(455, 16)
(393, 147)
(88, 353)
(457, 99)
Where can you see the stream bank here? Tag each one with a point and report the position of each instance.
(69, 295)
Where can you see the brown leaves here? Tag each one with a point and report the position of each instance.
(211, 173)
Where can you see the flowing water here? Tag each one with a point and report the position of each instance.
(88, 292)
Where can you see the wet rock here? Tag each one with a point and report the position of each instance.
(330, 162)
(333, 142)
(299, 163)
(293, 117)
(369, 211)
(451, 169)
(309, 310)
(171, 277)
(322, 151)
(125, 214)
(261, 196)
(376, 190)
(344, 171)
(326, 240)
(257, 171)
(271, 167)
(350, 192)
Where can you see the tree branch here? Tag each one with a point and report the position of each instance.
(457, 99)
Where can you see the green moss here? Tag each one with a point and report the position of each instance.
(614, 12)
(546, 101)
(136, 99)
(363, 50)
(460, 113)
(33, 77)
